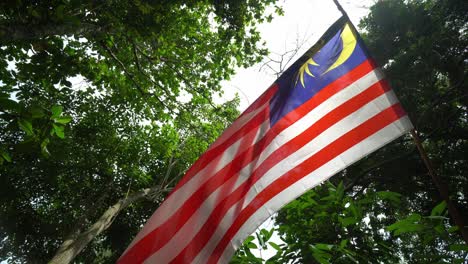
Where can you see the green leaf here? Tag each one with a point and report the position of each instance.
(26, 126)
(331, 197)
(36, 112)
(343, 243)
(439, 229)
(409, 225)
(414, 217)
(320, 255)
(249, 239)
(390, 196)
(56, 111)
(251, 257)
(251, 245)
(325, 247)
(439, 209)
(355, 210)
(266, 234)
(452, 229)
(44, 149)
(275, 246)
(5, 155)
(63, 119)
(320, 259)
(260, 240)
(340, 190)
(348, 221)
(59, 131)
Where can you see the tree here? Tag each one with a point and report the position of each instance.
(143, 53)
(103, 106)
(107, 159)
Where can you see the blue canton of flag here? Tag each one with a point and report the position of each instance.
(342, 53)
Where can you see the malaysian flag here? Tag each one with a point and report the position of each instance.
(328, 110)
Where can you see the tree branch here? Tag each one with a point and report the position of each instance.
(71, 247)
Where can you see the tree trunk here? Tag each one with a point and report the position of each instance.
(71, 247)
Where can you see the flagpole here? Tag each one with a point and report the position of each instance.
(340, 8)
(440, 185)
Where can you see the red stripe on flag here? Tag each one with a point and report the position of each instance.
(325, 155)
(279, 154)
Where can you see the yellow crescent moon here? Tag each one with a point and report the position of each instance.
(349, 43)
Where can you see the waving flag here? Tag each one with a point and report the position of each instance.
(328, 110)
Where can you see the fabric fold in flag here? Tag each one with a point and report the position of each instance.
(328, 110)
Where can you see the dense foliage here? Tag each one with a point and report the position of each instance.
(103, 105)
(139, 53)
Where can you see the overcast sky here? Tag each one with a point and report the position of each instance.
(304, 21)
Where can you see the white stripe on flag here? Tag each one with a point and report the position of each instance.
(355, 153)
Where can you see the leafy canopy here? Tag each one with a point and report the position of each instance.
(100, 100)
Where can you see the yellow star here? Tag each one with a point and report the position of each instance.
(305, 69)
